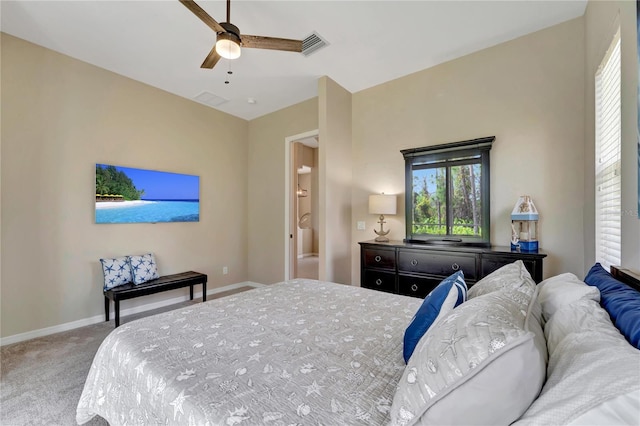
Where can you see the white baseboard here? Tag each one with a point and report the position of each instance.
(124, 312)
(302, 256)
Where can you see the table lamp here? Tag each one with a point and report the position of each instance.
(382, 204)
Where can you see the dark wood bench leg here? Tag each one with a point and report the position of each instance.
(106, 309)
(191, 291)
(117, 303)
(204, 291)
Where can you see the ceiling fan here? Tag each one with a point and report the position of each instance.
(229, 39)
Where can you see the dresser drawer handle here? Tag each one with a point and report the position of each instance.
(414, 262)
(414, 287)
(378, 281)
(377, 258)
(455, 266)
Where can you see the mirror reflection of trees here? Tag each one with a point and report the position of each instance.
(447, 187)
(430, 200)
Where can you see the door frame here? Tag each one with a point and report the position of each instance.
(289, 242)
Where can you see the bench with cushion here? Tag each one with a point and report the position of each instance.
(167, 282)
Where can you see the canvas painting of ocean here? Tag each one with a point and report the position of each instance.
(129, 195)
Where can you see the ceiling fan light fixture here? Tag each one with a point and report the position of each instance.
(228, 45)
(229, 41)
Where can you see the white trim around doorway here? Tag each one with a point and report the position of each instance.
(288, 141)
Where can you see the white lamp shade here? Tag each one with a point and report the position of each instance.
(227, 48)
(382, 204)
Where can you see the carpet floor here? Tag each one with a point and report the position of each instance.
(41, 379)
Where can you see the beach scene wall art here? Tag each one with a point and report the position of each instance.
(129, 195)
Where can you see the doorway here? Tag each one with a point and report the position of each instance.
(303, 200)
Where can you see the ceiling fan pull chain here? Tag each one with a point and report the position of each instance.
(229, 72)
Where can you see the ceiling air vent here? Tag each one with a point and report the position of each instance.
(313, 43)
(210, 99)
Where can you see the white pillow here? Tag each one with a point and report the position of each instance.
(116, 272)
(471, 367)
(590, 362)
(561, 290)
(143, 268)
(510, 276)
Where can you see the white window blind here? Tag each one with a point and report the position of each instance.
(608, 181)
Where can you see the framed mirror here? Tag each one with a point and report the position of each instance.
(447, 193)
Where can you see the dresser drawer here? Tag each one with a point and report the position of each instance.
(416, 286)
(493, 263)
(377, 280)
(441, 264)
(379, 258)
(415, 270)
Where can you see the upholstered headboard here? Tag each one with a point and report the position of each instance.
(627, 276)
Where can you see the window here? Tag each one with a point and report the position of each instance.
(608, 181)
(447, 193)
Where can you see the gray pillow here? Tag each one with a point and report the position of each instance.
(484, 363)
(513, 275)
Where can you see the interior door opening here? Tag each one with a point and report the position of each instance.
(303, 198)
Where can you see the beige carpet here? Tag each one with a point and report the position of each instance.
(41, 379)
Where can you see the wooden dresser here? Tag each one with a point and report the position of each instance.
(416, 269)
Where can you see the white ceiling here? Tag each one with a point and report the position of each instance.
(161, 43)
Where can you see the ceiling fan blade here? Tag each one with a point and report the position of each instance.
(204, 16)
(211, 60)
(259, 42)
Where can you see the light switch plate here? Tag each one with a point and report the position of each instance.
(361, 225)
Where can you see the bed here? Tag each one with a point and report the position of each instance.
(296, 352)
(320, 353)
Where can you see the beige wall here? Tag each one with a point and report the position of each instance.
(335, 181)
(315, 203)
(0, 185)
(307, 238)
(529, 94)
(601, 21)
(266, 170)
(60, 117)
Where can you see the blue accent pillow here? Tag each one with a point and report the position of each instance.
(619, 300)
(143, 268)
(451, 292)
(116, 272)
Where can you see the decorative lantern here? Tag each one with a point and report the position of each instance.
(524, 225)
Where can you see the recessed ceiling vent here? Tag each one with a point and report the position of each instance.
(313, 43)
(210, 99)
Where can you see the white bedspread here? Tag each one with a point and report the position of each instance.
(299, 352)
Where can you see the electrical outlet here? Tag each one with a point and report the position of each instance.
(361, 225)
(225, 270)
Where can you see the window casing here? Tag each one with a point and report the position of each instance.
(608, 190)
(447, 193)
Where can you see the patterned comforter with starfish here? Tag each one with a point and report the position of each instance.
(297, 352)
